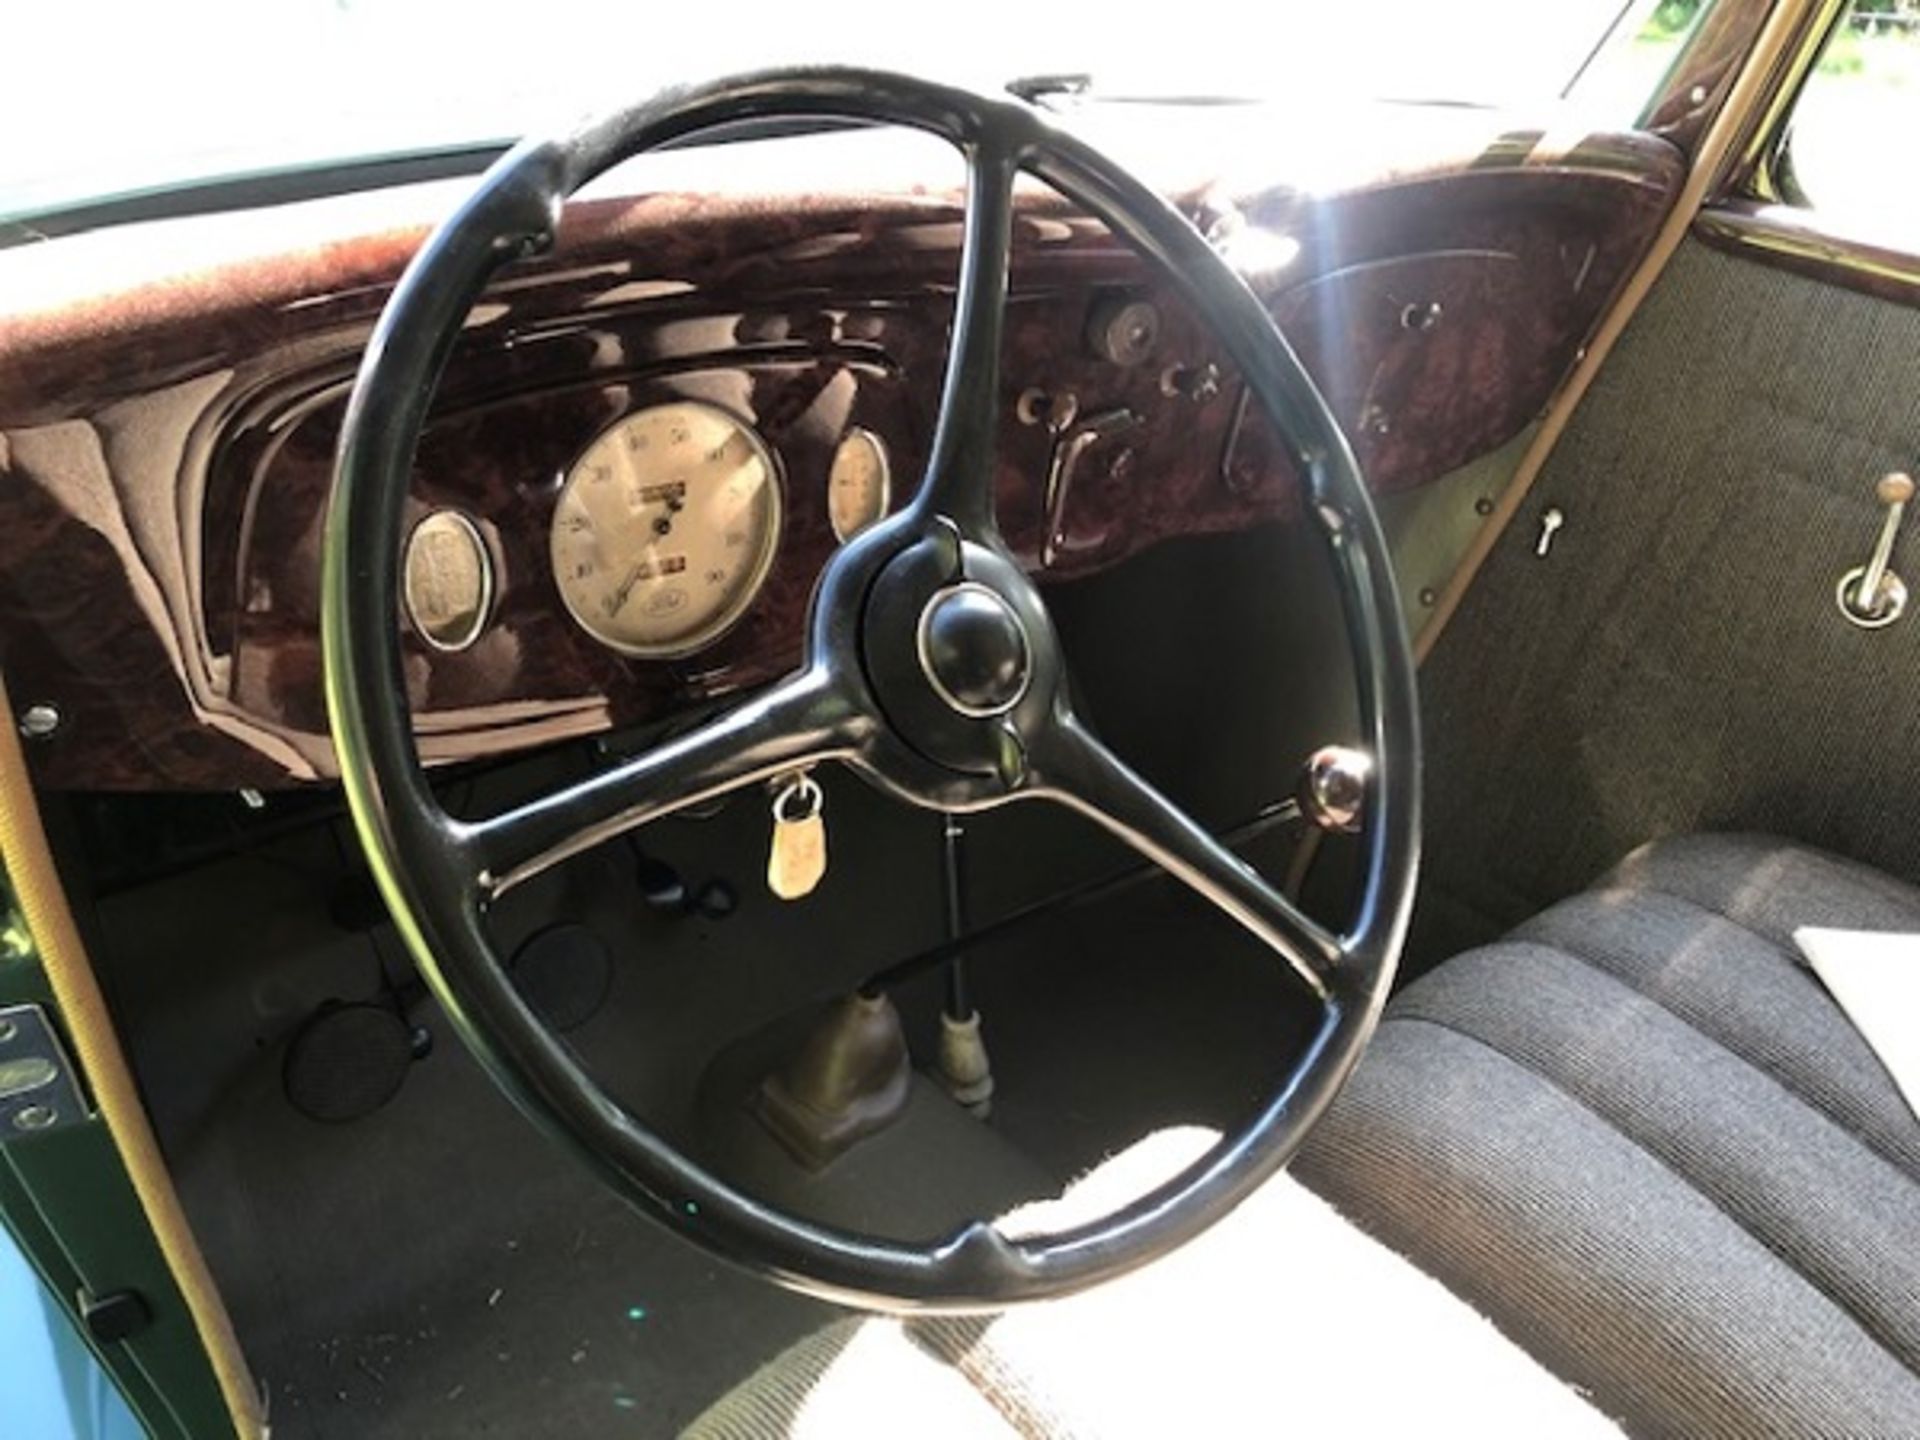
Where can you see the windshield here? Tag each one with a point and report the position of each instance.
(108, 98)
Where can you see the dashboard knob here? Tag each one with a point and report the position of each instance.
(1333, 791)
(1124, 332)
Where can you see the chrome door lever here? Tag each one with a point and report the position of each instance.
(1871, 595)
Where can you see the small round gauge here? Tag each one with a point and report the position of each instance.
(665, 529)
(447, 580)
(859, 486)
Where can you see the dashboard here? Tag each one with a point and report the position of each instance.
(648, 442)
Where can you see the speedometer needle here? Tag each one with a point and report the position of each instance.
(621, 591)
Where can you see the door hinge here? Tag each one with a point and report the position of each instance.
(39, 1088)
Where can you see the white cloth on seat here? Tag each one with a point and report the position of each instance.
(857, 1379)
(1281, 1319)
(1874, 975)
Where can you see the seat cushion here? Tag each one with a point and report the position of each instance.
(1640, 1136)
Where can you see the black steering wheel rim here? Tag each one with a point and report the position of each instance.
(437, 873)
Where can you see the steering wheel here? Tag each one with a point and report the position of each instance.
(931, 669)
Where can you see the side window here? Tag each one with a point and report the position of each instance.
(53, 1384)
(1663, 34)
(1847, 151)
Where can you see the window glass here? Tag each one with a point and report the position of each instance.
(104, 97)
(1850, 151)
(54, 1386)
(1653, 39)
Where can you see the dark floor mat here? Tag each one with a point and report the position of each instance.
(1151, 1011)
(438, 1268)
(441, 1269)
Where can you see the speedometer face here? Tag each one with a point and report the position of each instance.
(665, 529)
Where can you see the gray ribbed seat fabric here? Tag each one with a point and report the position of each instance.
(1641, 1138)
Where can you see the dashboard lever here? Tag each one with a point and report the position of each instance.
(1068, 450)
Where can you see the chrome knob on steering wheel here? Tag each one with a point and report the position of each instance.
(974, 651)
(932, 669)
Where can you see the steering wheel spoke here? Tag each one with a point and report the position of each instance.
(803, 720)
(1077, 770)
(959, 482)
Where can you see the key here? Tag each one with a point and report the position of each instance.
(798, 857)
(1550, 522)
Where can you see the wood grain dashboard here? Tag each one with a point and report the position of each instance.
(166, 448)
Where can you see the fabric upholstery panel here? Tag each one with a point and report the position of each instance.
(1677, 663)
(1770, 886)
(1799, 1184)
(1643, 1136)
(1734, 987)
(1625, 1281)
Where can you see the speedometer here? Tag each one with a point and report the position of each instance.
(665, 529)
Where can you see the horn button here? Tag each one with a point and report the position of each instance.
(973, 650)
(960, 654)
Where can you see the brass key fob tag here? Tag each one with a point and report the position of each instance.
(799, 855)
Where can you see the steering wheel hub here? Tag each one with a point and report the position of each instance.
(974, 650)
(964, 664)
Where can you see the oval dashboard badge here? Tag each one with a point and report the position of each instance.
(448, 580)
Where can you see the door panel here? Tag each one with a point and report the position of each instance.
(1677, 661)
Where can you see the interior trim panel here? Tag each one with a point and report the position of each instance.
(174, 441)
(1811, 244)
